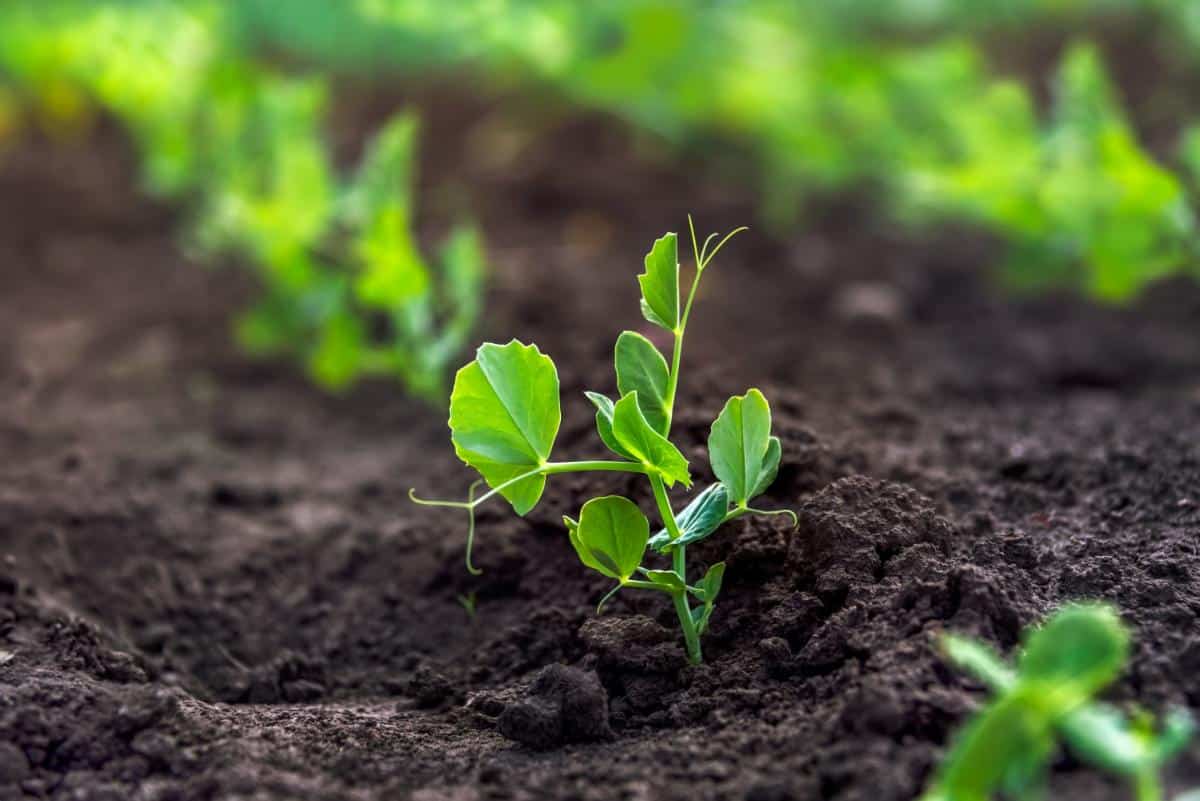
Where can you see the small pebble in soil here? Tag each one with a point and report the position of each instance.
(563, 705)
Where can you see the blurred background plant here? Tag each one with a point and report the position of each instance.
(934, 109)
(241, 144)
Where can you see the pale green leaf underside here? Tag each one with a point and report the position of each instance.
(504, 416)
(611, 536)
(667, 578)
(739, 443)
(642, 369)
(660, 283)
(711, 583)
(769, 469)
(645, 445)
(604, 422)
(699, 519)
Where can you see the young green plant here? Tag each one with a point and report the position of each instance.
(504, 417)
(1007, 747)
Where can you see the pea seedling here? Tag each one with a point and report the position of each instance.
(505, 414)
(1007, 746)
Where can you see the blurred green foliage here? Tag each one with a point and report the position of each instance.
(346, 289)
(910, 100)
(828, 94)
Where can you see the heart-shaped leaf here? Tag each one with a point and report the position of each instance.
(645, 445)
(504, 416)
(611, 536)
(642, 369)
(739, 446)
(698, 519)
(660, 283)
(604, 422)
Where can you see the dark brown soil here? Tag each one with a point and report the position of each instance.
(213, 586)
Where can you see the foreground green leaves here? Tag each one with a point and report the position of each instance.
(642, 443)
(660, 283)
(642, 369)
(505, 415)
(611, 536)
(745, 457)
(1008, 745)
(701, 517)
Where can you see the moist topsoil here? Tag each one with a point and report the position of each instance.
(212, 585)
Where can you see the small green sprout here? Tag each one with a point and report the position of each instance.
(469, 603)
(505, 414)
(1006, 748)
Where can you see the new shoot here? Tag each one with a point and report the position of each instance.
(505, 414)
(1007, 747)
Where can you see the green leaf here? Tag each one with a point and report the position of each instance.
(604, 422)
(739, 445)
(980, 661)
(337, 357)
(660, 283)
(611, 536)
(700, 616)
(463, 272)
(378, 207)
(1100, 735)
(645, 445)
(504, 416)
(710, 585)
(667, 578)
(642, 369)
(698, 519)
(1006, 733)
(1078, 652)
(769, 469)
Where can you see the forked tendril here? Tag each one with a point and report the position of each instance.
(703, 257)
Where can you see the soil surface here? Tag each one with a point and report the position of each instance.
(212, 585)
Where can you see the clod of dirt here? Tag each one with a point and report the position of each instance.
(429, 688)
(635, 644)
(854, 526)
(563, 705)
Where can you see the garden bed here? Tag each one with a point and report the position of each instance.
(213, 585)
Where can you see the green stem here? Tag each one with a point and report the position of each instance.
(664, 507)
(598, 465)
(691, 638)
(1147, 786)
(677, 351)
(638, 584)
(546, 469)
